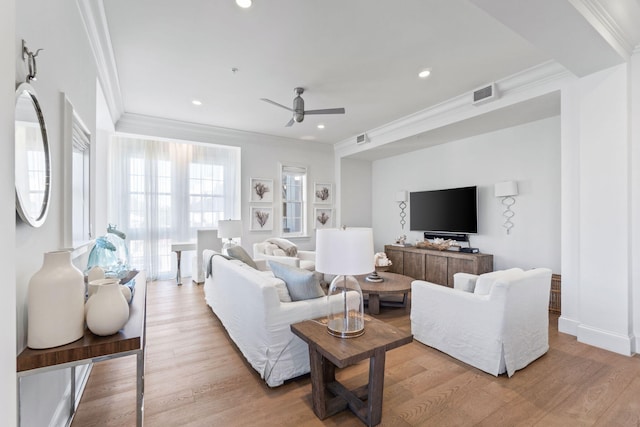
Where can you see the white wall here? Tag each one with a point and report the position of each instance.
(356, 194)
(261, 157)
(8, 53)
(597, 146)
(529, 154)
(66, 65)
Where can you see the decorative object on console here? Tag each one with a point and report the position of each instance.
(261, 190)
(107, 309)
(229, 229)
(55, 302)
(401, 198)
(506, 190)
(110, 253)
(438, 244)
(94, 285)
(345, 252)
(381, 263)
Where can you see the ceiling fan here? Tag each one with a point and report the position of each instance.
(298, 108)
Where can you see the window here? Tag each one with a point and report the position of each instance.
(161, 192)
(294, 198)
(77, 160)
(206, 195)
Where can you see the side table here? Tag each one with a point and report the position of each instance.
(178, 248)
(393, 284)
(129, 341)
(326, 353)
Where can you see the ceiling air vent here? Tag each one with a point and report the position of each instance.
(484, 94)
(362, 139)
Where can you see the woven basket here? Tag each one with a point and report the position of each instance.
(437, 246)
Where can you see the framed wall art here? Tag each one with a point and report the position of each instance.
(323, 218)
(261, 218)
(261, 190)
(323, 193)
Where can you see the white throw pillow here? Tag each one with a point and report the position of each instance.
(269, 248)
(279, 252)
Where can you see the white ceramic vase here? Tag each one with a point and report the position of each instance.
(107, 309)
(55, 302)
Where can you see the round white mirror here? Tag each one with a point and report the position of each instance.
(32, 159)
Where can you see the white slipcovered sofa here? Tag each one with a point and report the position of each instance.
(285, 252)
(249, 303)
(497, 322)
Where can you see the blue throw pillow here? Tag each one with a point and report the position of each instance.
(302, 284)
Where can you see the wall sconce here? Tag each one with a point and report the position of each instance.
(401, 198)
(507, 190)
(229, 229)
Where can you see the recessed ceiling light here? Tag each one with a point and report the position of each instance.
(424, 73)
(320, 126)
(244, 3)
(196, 102)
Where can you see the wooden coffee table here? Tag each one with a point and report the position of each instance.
(393, 284)
(326, 352)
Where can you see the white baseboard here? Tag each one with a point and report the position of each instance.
(568, 326)
(621, 344)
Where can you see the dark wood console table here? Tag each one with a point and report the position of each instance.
(436, 266)
(326, 353)
(129, 341)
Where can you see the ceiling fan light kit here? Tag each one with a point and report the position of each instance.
(298, 108)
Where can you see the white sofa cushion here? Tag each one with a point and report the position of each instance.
(301, 284)
(485, 281)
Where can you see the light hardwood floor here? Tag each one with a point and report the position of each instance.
(195, 376)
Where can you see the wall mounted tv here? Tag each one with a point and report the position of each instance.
(452, 210)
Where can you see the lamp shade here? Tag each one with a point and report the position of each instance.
(401, 196)
(347, 251)
(506, 189)
(229, 228)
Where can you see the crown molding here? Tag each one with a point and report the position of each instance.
(95, 23)
(530, 83)
(138, 124)
(605, 25)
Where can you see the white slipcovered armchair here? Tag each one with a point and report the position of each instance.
(497, 322)
(285, 252)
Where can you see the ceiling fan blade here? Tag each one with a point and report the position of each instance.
(276, 104)
(291, 122)
(326, 111)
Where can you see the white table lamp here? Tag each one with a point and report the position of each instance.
(345, 252)
(229, 229)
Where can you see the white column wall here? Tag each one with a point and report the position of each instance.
(634, 114)
(8, 53)
(356, 195)
(597, 139)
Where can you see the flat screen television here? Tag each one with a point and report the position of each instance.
(453, 210)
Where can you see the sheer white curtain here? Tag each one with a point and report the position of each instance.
(162, 191)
